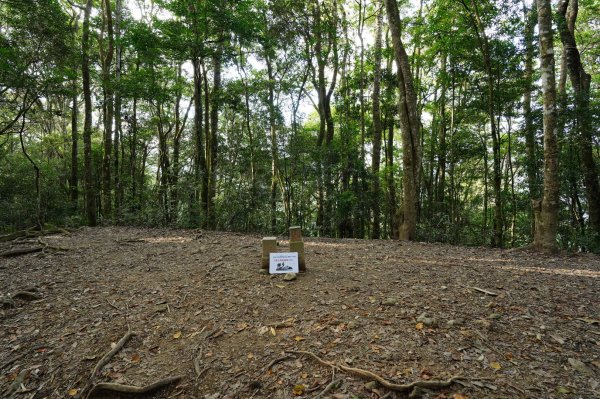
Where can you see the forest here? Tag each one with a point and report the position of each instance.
(456, 121)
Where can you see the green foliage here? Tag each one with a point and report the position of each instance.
(39, 64)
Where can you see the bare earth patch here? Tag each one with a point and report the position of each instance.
(514, 324)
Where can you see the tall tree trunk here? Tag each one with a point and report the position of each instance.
(199, 155)
(441, 171)
(375, 191)
(133, 149)
(108, 108)
(581, 81)
(90, 192)
(214, 140)
(74, 191)
(361, 193)
(324, 44)
(273, 139)
(529, 130)
(484, 46)
(117, 142)
(546, 211)
(410, 124)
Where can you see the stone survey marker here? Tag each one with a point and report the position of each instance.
(269, 246)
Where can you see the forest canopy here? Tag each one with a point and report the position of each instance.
(459, 121)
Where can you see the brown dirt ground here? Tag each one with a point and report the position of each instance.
(189, 293)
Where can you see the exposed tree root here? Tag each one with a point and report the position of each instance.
(102, 362)
(106, 358)
(275, 361)
(54, 247)
(20, 251)
(368, 375)
(131, 389)
(24, 251)
(32, 233)
(29, 295)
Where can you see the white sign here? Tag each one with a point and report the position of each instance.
(283, 262)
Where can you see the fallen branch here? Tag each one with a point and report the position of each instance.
(491, 293)
(365, 374)
(131, 389)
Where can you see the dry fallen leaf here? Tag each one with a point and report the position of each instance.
(495, 365)
(299, 390)
(298, 338)
(458, 396)
(419, 326)
(135, 358)
(73, 392)
(177, 335)
(273, 331)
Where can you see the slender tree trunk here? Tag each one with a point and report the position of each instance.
(133, 150)
(498, 225)
(214, 140)
(207, 147)
(361, 193)
(581, 81)
(107, 58)
(546, 210)
(441, 179)
(199, 155)
(529, 130)
(117, 142)
(273, 139)
(74, 191)
(90, 191)
(375, 191)
(410, 124)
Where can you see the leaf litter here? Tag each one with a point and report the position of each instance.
(509, 323)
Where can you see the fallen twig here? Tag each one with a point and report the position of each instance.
(433, 384)
(131, 389)
(197, 360)
(11, 361)
(332, 385)
(112, 305)
(492, 348)
(491, 293)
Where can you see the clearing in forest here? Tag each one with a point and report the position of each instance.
(207, 324)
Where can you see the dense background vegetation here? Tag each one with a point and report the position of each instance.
(254, 115)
